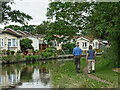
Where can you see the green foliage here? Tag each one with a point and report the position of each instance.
(103, 19)
(29, 28)
(49, 52)
(19, 51)
(33, 57)
(18, 57)
(98, 50)
(68, 46)
(8, 52)
(13, 15)
(26, 44)
(8, 58)
(42, 28)
(12, 52)
(104, 71)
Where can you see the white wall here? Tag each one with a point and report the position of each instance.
(35, 43)
(81, 40)
(5, 38)
(96, 44)
(81, 44)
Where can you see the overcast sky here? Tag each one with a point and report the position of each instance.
(36, 8)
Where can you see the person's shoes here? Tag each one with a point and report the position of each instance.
(78, 68)
(93, 71)
(78, 71)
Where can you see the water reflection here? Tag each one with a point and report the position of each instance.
(27, 75)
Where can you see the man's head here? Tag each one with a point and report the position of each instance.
(90, 47)
(77, 45)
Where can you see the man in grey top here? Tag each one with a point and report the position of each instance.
(91, 59)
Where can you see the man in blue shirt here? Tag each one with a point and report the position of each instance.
(77, 53)
(91, 59)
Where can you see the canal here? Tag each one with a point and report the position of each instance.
(27, 75)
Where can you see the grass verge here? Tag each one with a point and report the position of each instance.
(63, 75)
(105, 72)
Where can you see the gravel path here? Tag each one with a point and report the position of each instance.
(94, 77)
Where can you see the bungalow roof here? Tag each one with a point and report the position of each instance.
(12, 32)
(89, 37)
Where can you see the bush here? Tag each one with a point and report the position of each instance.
(98, 50)
(12, 52)
(33, 57)
(18, 57)
(8, 52)
(19, 51)
(8, 58)
(68, 46)
(49, 52)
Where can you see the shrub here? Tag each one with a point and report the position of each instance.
(98, 50)
(49, 52)
(33, 57)
(12, 52)
(19, 51)
(18, 57)
(68, 46)
(8, 52)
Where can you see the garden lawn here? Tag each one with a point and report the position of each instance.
(104, 71)
(63, 75)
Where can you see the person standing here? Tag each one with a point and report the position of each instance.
(77, 53)
(91, 59)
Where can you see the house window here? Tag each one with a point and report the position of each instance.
(16, 42)
(12, 42)
(96, 44)
(93, 44)
(9, 42)
(1, 42)
(84, 44)
(56, 43)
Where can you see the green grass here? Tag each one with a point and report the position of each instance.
(104, 71)
(63, 75)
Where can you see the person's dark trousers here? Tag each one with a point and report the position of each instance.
(77, 62)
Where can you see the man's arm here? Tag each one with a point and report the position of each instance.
(73, 52)
(95, 56)
(80, 53)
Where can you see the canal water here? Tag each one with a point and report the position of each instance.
(27, 75)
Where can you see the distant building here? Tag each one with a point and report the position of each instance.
(85, 41)
(10, 40)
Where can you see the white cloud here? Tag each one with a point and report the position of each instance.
(36, 8)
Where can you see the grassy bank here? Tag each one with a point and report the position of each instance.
(63, 75)
(104, 71)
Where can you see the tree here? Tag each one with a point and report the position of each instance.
(60, 28)
(9, 15)
(26, 44)
(42, 28)
(70, 12)
(29, 28)
(104, 23)
(69, 19)
(104, 19)
(14, 27)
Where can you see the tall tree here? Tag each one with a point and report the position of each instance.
(68, 16)
(42, 28)
(29, 28)
(9, 15)
(104, 19)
